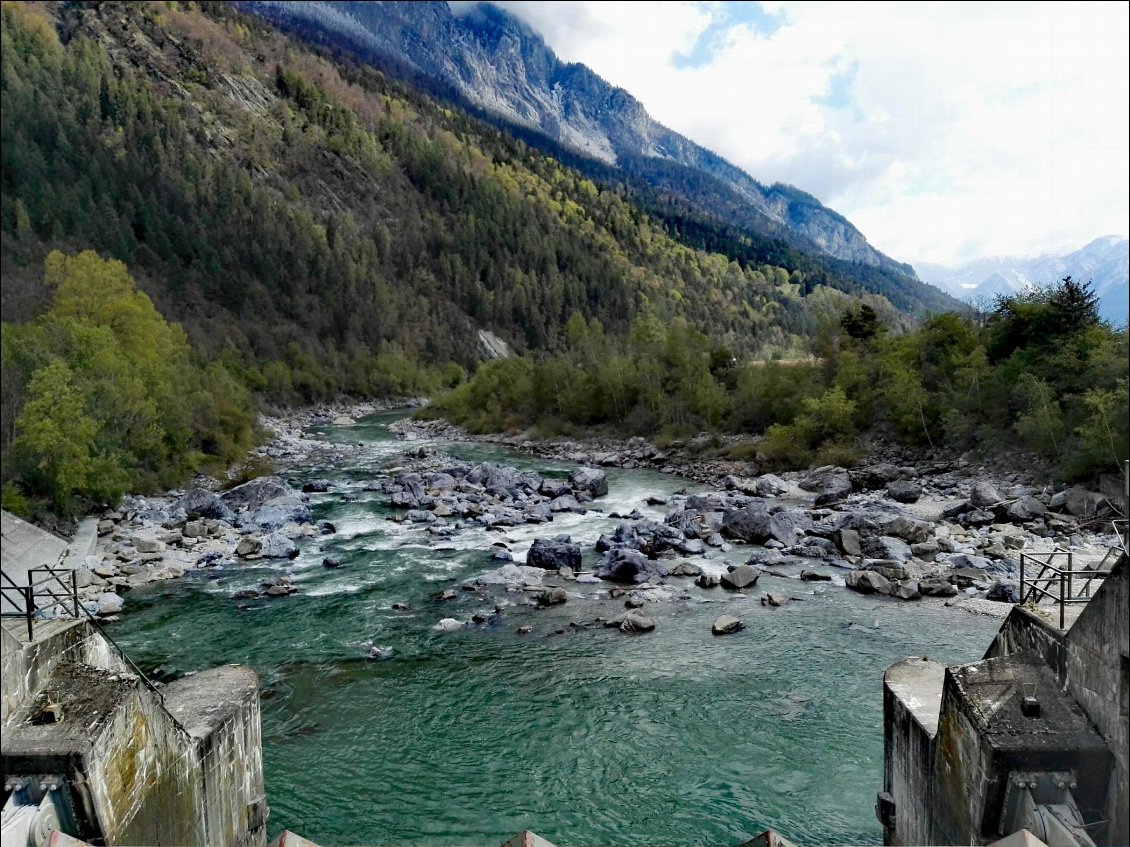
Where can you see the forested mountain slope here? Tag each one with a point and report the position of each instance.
(491, 63)
(292, 211)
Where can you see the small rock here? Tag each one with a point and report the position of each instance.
(551, 597)
(634, 622)
(331, 562)
(726, 625)
(685, 569)
(706, 580)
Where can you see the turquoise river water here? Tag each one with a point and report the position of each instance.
(587, 737)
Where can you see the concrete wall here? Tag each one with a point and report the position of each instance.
(960, 779)
(144, 777)
(1095, 674)
(187, 773)
(1091, 661)
(1023, 630)
(220, 710)
(911, 699)
(25, 667)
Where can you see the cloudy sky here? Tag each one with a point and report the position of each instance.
(944, 131)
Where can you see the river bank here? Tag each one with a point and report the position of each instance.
(906, 532)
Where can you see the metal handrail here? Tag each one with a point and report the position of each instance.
(1062, 577)
(29, 595)
(51, 572)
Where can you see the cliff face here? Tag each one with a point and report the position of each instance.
(498, 63)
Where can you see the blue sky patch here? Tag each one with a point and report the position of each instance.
(839, 88)
(725, 16)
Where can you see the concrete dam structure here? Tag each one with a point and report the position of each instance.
(92, 749)
(1033, 737)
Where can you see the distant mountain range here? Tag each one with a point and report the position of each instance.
(494, 61)
(1105, 263)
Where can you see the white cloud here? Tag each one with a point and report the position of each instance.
(955, 129)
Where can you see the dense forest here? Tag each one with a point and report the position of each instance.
(199, 215)
(1041, 372)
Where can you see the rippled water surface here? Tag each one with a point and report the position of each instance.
(587, 737)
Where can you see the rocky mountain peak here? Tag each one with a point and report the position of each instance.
(500, 64)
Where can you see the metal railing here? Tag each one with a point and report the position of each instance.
(58, 587)
(1058, 579)
(24, 599)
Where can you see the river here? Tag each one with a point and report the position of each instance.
(584, 735)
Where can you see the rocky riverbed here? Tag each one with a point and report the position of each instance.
(899, 531)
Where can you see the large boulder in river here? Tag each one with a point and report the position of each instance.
(629, 566)
(592, 480)
(835, 487)
(770, 485)
(848, 541)
(554, 488)
(277, 513)
(749, 522)
(875, 476)
(743, 576)
(109, 603)
(634, 622)
(1024, 509)
(199, 503)
(937, 586)
(910, 530)
(887, 547)
(551, 597)
(1085, 504)
(554, 554)
(251, 495)
(278, 546)
(868, 582)
(755, 525)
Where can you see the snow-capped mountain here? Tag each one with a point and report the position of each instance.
(1105, 263)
